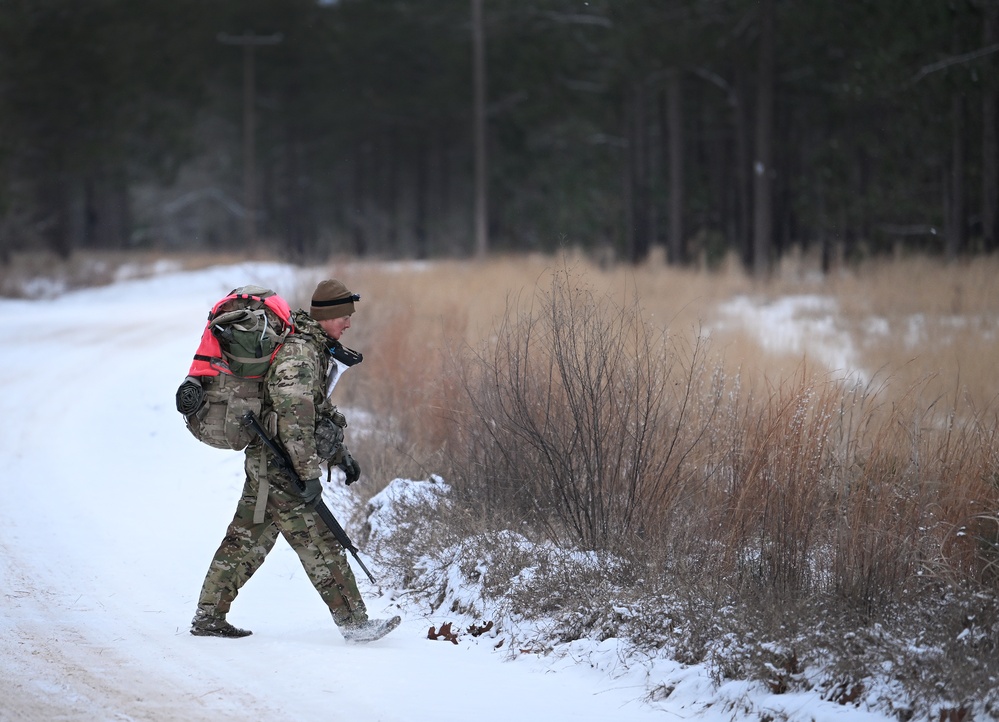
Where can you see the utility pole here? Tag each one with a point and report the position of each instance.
(249, 42)
(479, 113)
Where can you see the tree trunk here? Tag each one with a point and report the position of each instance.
(628, 179)
(825, 239)
(743, 165)
(763, 163)
(422, 198)
(479, 113)
(956, 235)
(657, 157)
(990, 143)
(249, 149)
(98, 211)
(443, 150)
(676, 245)
(358, 216)
(639, 161)
(392, 191)
(53, 211)
(295, 210)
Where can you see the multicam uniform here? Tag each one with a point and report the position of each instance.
(296, 397)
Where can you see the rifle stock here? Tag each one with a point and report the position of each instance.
(284, 463)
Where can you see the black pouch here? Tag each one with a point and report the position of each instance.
(329, 435)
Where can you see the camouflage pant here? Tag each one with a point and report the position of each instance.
(247, 543)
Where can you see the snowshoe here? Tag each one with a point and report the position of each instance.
(370, 630)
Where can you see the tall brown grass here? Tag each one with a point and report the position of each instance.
(757, 510)
(591, 403)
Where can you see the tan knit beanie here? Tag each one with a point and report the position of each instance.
(331, 299)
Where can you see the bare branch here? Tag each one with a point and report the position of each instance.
(955, 60)
(580, 19)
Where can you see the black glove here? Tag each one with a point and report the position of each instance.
(350, 468)
(312, 491)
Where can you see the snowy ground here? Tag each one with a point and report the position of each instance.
(110, 513)
(801, 326)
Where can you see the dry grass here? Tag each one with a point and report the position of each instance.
(915, 321)
(920, 326)
(810, 485)
(939, 326)
(772, 501)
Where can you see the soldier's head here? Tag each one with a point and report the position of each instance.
(332, 306)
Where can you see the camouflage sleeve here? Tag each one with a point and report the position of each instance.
(291, 385)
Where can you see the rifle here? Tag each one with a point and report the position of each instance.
(284, 463)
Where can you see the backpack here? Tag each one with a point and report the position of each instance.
(226, 379)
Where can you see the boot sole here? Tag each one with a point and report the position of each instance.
(382, 631)
(207, 633)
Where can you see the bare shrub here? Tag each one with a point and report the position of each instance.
(583, 418)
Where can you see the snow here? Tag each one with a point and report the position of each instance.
(111, 511)
(802, 325)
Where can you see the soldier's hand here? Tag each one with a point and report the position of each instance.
(313, 490)
(350, 468)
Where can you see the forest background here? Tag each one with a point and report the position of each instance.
(305, 128)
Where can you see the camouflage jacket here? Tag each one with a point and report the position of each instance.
(296, 392)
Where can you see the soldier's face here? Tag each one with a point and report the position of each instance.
(334, 327)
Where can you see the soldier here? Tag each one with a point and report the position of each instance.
(296, 404)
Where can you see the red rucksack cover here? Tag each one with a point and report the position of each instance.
(209, 359)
